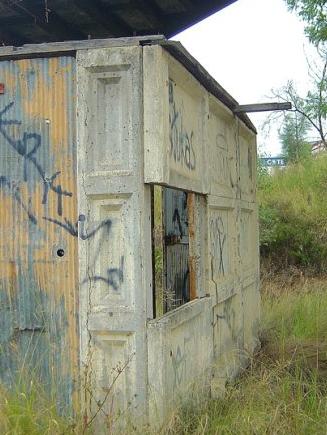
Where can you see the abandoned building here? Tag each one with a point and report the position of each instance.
(129, 233)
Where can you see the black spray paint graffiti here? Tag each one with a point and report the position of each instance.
(230, 318)
(232, 321)
(78, 229)
(181, 141)
(176, 203)
(222, 162)
(14, 190)
(27, 147)
(179, 362)
(218, 240)
(114, 278)
(177, 219)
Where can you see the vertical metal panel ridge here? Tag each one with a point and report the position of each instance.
(176, 248)
(38, 248)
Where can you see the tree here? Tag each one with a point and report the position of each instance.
(312, 107)
(293, 136)
(314, 12)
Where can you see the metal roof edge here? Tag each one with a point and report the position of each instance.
(177, 50)
(71, 46)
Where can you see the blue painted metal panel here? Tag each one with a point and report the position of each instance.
(38, 245)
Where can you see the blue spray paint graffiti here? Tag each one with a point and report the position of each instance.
(27, 147)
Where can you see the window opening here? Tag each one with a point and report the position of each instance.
(173, 271)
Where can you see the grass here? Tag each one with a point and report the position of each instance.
(283, 391)
(27, 410)
(302, 184)
(293, 216)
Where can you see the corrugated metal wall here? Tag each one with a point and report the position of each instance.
(177, 288)
(38, 229)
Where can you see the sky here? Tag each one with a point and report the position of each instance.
(251, 47)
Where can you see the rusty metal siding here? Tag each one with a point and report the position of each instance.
(176, 248)
(38, 230)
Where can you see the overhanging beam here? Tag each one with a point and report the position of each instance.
(263, 107)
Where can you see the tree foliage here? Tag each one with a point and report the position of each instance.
(314, 13)
(313, 106)
(293, 136)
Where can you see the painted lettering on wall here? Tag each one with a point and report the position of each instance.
(26, 147)
(181, 140)
(179, 362)
(13, 189)
(114, 277)
(218, 237)
(220, 161)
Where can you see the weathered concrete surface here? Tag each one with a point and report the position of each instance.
(180, 355)
(115, 265)
(194, 142)
(142, 118)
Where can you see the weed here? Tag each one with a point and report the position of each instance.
(27, 410)
(284, 391)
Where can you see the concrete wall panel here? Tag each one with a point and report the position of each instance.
(141, 117)
(115, 257)
(180, 354)
(221, 163)
(175, 126)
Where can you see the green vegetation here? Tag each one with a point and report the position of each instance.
(27, 410)
(284, 391)
(309, 110)
(314, 13)
(293, 134)
(293, 216)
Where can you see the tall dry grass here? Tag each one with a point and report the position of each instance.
(284, 390)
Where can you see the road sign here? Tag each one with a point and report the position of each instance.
(272, 161)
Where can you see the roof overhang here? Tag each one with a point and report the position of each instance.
(36, 21)
(175, 48)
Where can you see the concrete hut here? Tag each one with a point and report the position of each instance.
(129, 233)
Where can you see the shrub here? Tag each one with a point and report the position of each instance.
(293, 216)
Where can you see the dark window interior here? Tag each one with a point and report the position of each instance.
(171, 248)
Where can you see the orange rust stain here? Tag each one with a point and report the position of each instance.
(11, 283)
(191, 228)
(52, 109)
(46, 101)
(9, 79)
